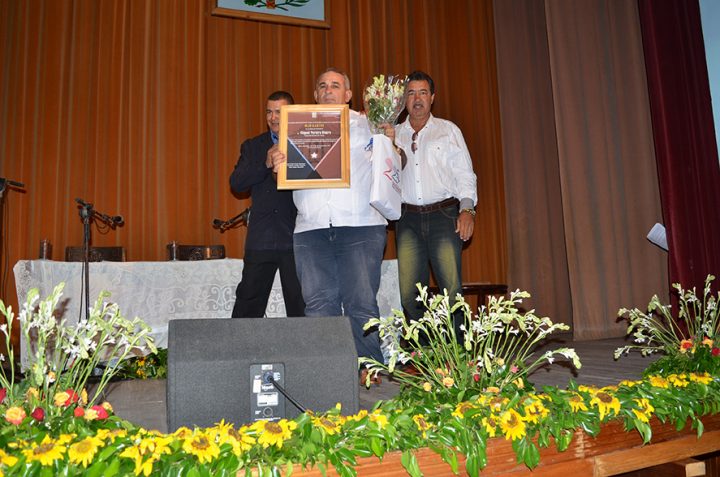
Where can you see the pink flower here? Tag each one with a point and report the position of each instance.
(476, 377)
(79, 412)
(3, 393)
(38, 414)
(514, 369)
(715, 351)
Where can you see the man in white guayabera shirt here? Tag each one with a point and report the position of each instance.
(339, 237)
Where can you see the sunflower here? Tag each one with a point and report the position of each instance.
(422, 424)
(659, 382)
(490, 424)
(678, 380)
(47, 452)
(577, 403)
(362, 414)
(142, 465)
(6, 459)
(379, 418)
(462, 408)
(84, 451)
(535, 410)
(605, 403)
(330, 424)
(239, 439)
(644, 411)
(512, 425)
(274, 433)
(110, 434)
(202, 446)
(703, 378)
(182, 432)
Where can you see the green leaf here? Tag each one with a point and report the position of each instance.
(96, 469)
(532, 455)
(377, 446)
(409, 461)
(472, 465)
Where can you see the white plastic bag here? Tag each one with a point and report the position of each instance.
(385, 194)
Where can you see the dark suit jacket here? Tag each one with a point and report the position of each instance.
(272, 215)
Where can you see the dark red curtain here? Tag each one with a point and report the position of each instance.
(686, 152)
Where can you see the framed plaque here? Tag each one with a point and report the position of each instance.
(316, 141)
(312, 13)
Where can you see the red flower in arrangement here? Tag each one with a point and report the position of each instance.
(38, 414)
(715, 351)
(73, 397)
(79, 412)
(685, 345)
(3, 393)
(101, 412)
(476, 377)
(270, 4)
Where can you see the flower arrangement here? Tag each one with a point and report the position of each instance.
(456, 423)
(493, 352)
(384, 100)
(151, 366)
(62, 359)
(690, 342)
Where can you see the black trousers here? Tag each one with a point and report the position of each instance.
(253, 291)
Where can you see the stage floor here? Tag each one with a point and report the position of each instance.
(143, 402)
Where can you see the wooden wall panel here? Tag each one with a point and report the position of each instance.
(140, 108)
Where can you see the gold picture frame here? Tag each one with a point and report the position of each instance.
(313, 13)
(315, 139)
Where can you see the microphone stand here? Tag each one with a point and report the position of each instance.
(87, 214)
(242, 218)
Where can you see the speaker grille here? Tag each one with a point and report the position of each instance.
(209, 366)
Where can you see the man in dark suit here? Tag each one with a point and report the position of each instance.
(269, 242)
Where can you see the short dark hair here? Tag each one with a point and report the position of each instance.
(279, 95)
(418, 75)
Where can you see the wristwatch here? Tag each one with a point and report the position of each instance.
(469, 210)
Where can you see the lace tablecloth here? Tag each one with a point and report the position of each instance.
(159, 292)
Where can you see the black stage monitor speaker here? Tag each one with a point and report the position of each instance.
(220, 369)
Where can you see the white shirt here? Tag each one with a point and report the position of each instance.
(440, 168)
(320, 208)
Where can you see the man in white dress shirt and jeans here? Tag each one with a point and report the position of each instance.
(339, 237)
(439, 195)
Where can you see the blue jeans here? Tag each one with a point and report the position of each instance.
(424, 240)
(339, 270)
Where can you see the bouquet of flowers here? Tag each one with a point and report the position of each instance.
(384, 99)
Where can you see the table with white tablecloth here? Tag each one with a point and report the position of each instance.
(158, 292)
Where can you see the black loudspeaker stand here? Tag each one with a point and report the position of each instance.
(219, 369)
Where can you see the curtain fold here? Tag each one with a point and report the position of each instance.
(687, 155)
(576, 124)
(536, 238)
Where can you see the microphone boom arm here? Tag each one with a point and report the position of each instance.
(241, 218)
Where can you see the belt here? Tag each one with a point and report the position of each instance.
(422, 209)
